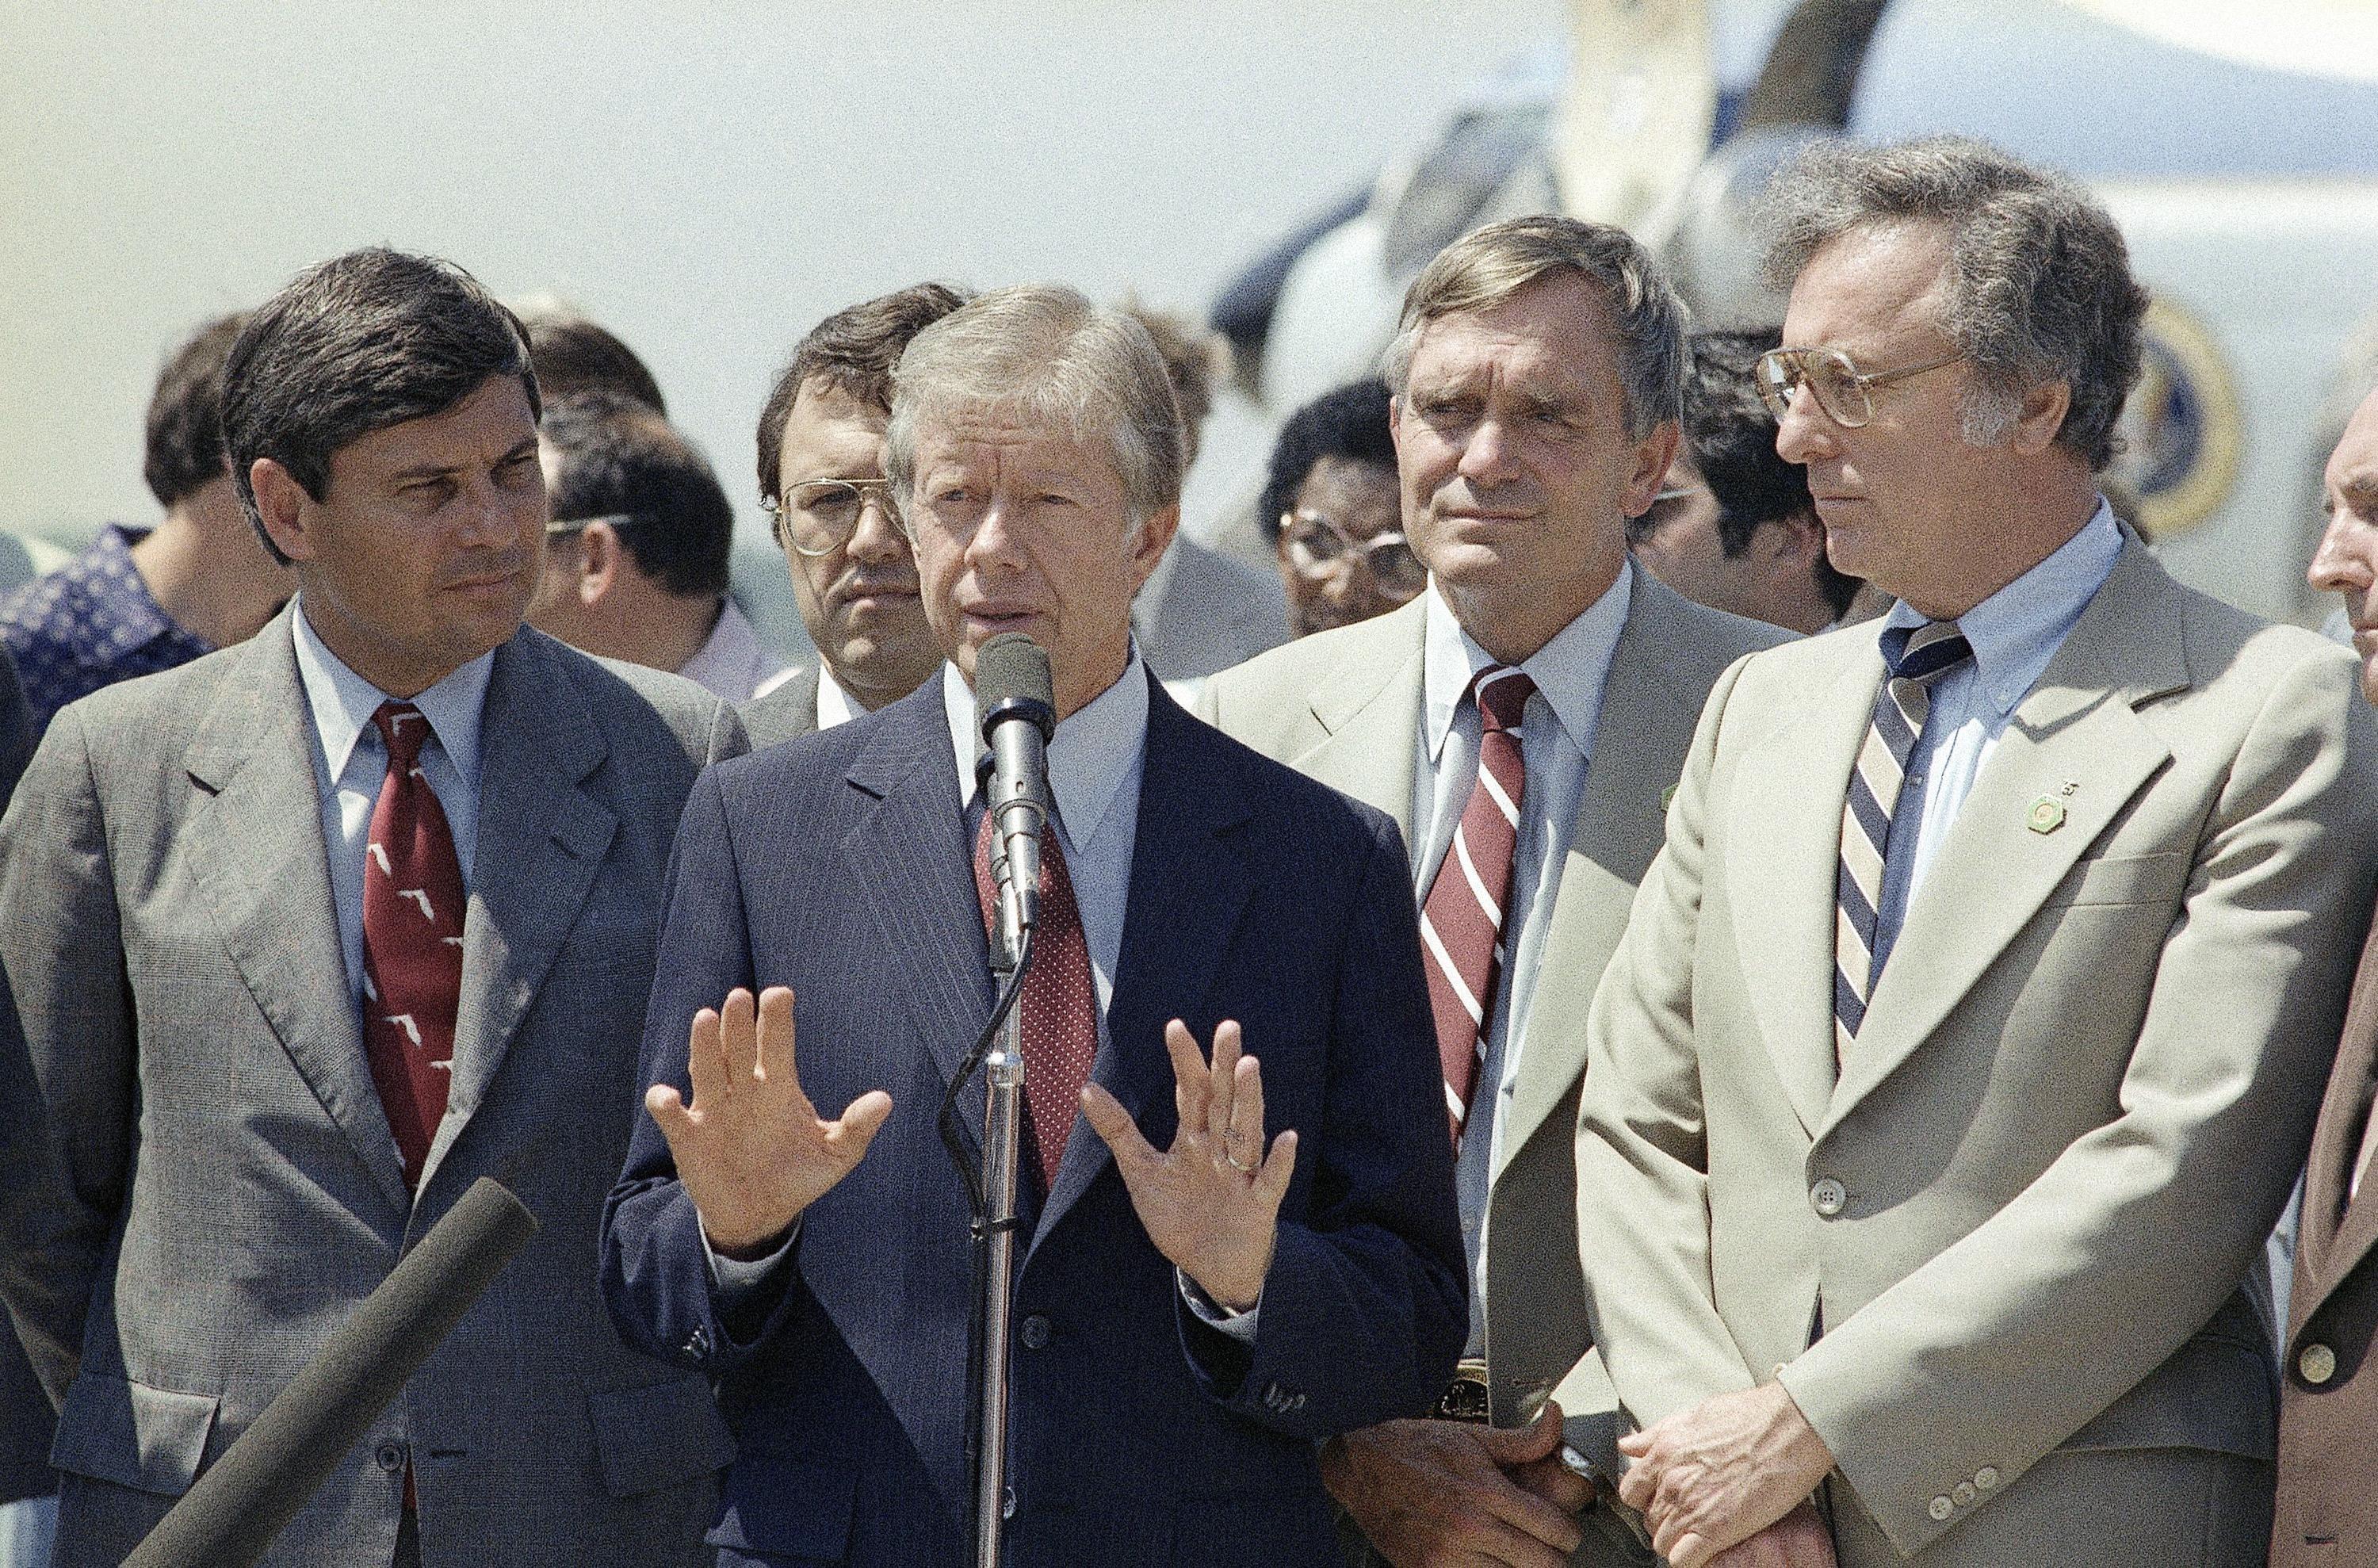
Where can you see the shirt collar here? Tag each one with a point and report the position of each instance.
(2017, 629)
(1091, 756)
(730, 663)
(343, 702)
(1569, 671)
(834, 705)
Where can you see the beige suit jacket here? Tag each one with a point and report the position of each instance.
(1344, 706)
(2083, 1090)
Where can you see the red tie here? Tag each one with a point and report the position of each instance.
(1462, 919)
(1060, 1004)
(413, 941)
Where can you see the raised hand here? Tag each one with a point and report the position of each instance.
(751, 1151)
(1211, 1202)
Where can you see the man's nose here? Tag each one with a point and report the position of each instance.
(1805, 432)
(1486, 455)
(877, 536)
(2346, 558)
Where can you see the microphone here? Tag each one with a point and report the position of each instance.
(232, 1514)
(1017, 706)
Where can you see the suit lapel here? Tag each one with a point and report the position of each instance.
(2337, 1231)
(908, 850)
(1368, 709)
(1189, 884)
(1783, 845)
(1644, 730)
(2078, 727)
(257, 849)
(542, 839)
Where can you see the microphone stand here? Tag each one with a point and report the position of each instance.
(995, 1235)
(990, 1187)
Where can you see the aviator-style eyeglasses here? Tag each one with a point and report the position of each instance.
(1317, 542)
(817, 517)
(1845, 395)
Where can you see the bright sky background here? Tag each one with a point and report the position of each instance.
(708, 179)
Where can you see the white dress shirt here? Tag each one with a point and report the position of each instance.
(1556, 741)
(731, 662)
(835, 705)
(351, 763)
(2013, 632)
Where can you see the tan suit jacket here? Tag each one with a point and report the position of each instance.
(2327, 1510)
(2022, 1218)
(1344, 706)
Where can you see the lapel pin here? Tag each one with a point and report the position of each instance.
(1667, 798)
(2047, 814)
(2071, 788)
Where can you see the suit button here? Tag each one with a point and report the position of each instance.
(1828, 1197)
(1007, 1502)
(390, 1456)
(1964, 1494)
(1942, 1507)
(1985, 1479)
(1036, 1333)
(2317, 1364)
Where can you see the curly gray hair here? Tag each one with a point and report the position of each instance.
(2039, 286)
(1489, 265)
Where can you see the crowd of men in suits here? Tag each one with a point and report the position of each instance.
(1539, 1068)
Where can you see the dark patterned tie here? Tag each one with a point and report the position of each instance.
(1462, 919)
(1060, 1005)
(413, 941)
(1913, 661)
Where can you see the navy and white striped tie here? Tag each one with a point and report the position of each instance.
(1913, 659)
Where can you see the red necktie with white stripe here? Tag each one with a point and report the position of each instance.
(413, 941)
(1462, 919)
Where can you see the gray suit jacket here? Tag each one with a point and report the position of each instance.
(1345, 708)
(792, 709)
(231, 1186)
(26, 1419)
(1205, 612)
(2026, 1213)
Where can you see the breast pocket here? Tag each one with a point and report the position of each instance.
(2122, 879)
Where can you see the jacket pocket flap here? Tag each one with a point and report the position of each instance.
(2217, 1394)
(786, 1507)
(2123, 879)
(116, 1430)
(658, 1435)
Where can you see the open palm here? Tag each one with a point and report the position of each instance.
(1211, 1202)
(751, 1150)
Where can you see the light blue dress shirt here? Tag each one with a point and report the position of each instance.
(2014, 633)
(351, 763)
(1556, 741)
(1095, 762)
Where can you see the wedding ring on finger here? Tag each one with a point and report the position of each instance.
(1232, 1161)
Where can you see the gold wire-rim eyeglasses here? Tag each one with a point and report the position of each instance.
(1834, 379)
(779, 508)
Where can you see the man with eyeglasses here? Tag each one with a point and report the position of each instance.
(1967, 1039)
(1334, 513)
(1522, 720)
(635, 557)
(1734, 527)
(821, 443)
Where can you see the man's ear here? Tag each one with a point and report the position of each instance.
(1154, 538)
(2044, 408)
(1655, 455)
(283, 504)
(599, 562)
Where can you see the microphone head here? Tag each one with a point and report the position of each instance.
(1011, 679)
